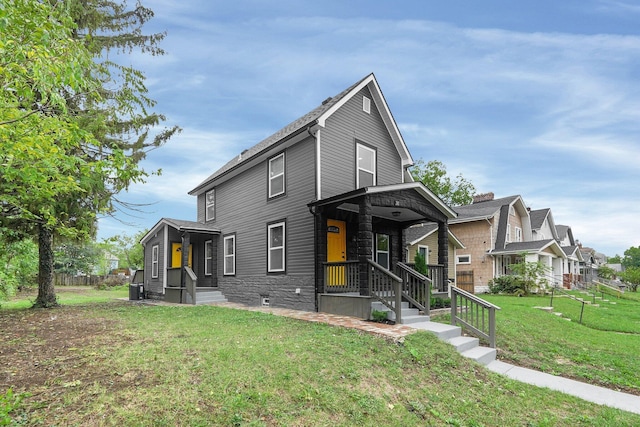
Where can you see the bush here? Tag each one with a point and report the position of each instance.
(111, 282)
(512, 285)
(440, 303)
(379, 316)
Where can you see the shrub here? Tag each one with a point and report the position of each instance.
(379, 316)
(440, 302)
(421, 264)
(512, 285)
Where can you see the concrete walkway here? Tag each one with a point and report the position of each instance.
(588, 392)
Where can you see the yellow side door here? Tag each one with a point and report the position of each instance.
(176, 255)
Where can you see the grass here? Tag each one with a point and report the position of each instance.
(69, 295)
(603, 350)
(206, 365)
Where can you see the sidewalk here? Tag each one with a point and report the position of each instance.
(588, 392)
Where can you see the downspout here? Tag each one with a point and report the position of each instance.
(316, 137)
(316, 283)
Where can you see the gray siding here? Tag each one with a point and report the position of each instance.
(154, 286)
(243, 208)
(338, 147)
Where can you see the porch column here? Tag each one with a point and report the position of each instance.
(186, 242)
(443, 252)
(365, 243)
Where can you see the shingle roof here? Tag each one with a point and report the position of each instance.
(292, 128)
(537, 218)
(484, 209)
(419, 232)
(180, 224)
(562, 231)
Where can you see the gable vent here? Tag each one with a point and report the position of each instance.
(366, 105)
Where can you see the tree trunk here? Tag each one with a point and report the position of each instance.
(46, 290)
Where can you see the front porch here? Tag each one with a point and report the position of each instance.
(360, 250)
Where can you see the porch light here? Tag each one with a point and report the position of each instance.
(396, 213)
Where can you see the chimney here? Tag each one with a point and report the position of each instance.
(484, 197)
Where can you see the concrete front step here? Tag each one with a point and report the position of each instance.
(467, 346)
(209, 297)
(482, 355)
(463, 343)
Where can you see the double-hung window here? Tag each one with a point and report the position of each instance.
(276, 247)
(229, 243)
(208, 257)
(518, 234)
(154, 261)
(210, 205)
(366, 166)
(276, 175)
(382, 250)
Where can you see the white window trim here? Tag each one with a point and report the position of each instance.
(271, 178)
(207, 259)
(229, 256)
(508, 236)
(155, 255)
(358, 168)
(366, 105)
(426, 252)
(518, 234)
(207, 217)
(463, 256)
(282, 247)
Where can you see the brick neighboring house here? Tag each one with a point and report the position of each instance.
(497, 233)
(305, 218)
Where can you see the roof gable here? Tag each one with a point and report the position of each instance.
(306, 124)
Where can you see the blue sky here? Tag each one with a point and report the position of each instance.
(537, 98)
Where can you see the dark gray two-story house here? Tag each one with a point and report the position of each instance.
(310, 218)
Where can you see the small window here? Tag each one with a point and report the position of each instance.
(229, 255)
(276, 175)
(518, 234)
(208, 257)
(366, 166)
(382, 250)
(276, 247)
(366, 105)
(154, 261)
(512, 211)
(424, 251)
(463, 259)
(508, 237)
(210, 201)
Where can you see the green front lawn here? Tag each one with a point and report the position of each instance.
(120, 363)
(603, 350)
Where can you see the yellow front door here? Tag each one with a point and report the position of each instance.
(176, 255)
(336, 251)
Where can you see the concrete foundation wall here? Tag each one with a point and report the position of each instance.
(345, 305)
(281, 290)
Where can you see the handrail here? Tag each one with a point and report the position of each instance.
(603, 282)
(416, 287)
(386, 287)
(567, 294)
(474, 314)
(191, 283)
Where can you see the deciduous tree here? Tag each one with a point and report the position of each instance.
(454, 192)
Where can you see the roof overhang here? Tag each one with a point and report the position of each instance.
(346, 201)
(187, 226)
(372, 84)
(534, 247)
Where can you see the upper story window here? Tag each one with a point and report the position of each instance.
(366, 105)
(366, 166)
(518, 234)
(276, 247)
(508, 233)
(210, 205)
(276, 175)
(512, 211)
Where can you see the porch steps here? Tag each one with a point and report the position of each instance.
(467, 346)
(208, 296)
(409, 315)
